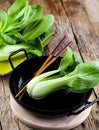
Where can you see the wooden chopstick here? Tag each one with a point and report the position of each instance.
(50, 56)
(22, 90)
(47, 62)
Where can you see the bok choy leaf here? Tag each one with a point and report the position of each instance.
(16, 7)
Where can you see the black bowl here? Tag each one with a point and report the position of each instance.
(59, 102)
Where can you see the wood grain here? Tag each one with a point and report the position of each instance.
(77, 19)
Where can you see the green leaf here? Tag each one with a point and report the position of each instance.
(3, 18)
(16, 7)
(85, 76)
(36, 52)
(30, 26)
(43, 26)
(32, 13)
(37, 12)
(7, 39)
(46, 36)
(67, 60)
(16, 35)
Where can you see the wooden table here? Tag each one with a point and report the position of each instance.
(79, 20)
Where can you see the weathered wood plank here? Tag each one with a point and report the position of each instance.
(87, 41)
(92, 8)
(82, 29)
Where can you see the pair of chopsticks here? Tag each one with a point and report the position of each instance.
(51, 58)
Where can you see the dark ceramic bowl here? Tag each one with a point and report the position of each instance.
(59, 102)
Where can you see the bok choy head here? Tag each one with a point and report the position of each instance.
(67, 65)
(24, 26)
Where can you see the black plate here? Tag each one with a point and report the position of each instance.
(59, 102)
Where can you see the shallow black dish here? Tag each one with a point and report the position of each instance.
(62, 101)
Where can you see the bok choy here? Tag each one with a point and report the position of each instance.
(72, 74)
(24, 26)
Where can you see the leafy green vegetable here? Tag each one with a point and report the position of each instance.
(24, 26)
(67, 61)
(80, 79)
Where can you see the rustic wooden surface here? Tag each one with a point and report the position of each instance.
(79, 20)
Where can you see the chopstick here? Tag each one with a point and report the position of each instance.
(51, 58)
